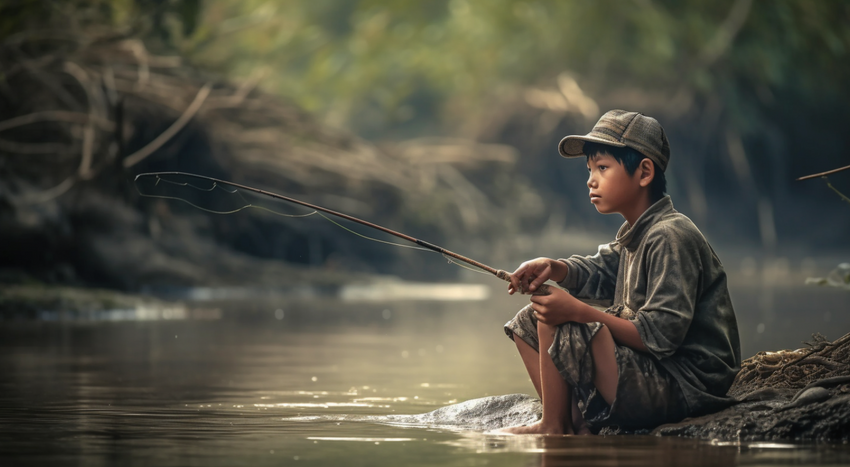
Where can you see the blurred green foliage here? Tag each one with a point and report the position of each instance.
(742, 87)
(768, 77)
(384, 65)
(389, 63)
(163, 23)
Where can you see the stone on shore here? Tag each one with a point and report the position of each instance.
(799, 395)
(484, 414)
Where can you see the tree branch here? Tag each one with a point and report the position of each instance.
(823, 174)
(166, 135)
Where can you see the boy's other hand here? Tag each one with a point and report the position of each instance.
(559, 307)
(533, 273)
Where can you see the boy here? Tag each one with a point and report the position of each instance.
(668, 348)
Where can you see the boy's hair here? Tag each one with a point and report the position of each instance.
(630, 158)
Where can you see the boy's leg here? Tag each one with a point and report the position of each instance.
(605, 371)
(531, 360)
(556, 393)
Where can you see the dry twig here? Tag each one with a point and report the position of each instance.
(166, 135)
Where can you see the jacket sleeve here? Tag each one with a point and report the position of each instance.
(673, 270)
(593, 277)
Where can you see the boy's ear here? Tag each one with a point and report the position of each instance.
(646, 169)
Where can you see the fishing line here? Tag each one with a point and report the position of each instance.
(237, 189)
(373, 239)
(212, 211)
(214, 185)
(468, 268)
(248, 205)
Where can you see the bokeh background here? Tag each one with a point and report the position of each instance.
(439, 119)
(135, 327)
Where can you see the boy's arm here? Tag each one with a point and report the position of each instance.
(560, 307)
(589, 277)
(673, 269)
(674, 273)
(593, 277)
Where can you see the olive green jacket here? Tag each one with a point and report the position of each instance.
(664, 277)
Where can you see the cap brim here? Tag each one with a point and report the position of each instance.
(573, 145)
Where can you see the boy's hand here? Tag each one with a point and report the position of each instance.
(531, 274)
(559, 307)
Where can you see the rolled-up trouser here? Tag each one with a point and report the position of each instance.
(647, 395)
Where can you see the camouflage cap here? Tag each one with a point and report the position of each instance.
(623, 129)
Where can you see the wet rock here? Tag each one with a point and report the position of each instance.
(484, 414)
(808, 419)
(800, 395)
(786, 395)
(815, 414)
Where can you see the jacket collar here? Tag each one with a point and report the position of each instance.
(630, 236)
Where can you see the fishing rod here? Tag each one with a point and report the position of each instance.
(501, 274)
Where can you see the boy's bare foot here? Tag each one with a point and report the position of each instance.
(535, 429)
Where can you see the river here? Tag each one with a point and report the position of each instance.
(281, 381)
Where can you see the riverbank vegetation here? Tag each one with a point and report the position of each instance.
(435, 118)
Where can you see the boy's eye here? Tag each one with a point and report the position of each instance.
(603, 167)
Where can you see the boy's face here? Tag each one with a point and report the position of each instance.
(612, 189)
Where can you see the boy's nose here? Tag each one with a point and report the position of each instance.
(591, 182)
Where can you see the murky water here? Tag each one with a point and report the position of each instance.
(266, 383)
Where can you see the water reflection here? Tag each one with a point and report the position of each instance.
(649, 450)
(360, 440)
(607, 451)
(254, 388)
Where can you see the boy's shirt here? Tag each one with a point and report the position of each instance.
(663, 275)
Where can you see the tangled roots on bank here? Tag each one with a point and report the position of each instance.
(794, 369)
(81, 114)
